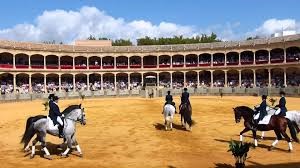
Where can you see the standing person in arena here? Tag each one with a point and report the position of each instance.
(55, 115)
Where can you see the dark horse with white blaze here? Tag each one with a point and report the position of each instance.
(277, 123)
(186, 115)
(41, 126)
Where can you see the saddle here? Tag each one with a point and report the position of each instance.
(51, 125)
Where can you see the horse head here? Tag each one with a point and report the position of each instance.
(75, 113)
(242, 111)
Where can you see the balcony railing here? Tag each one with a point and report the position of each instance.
(219, 64)
(150, 66)
(108, 67)
(135, 66)
(37, 66)
(292, 59)
(6, 66)
(262, 61)
(122, 66)
(279, 60)
(247, 62)
(66, 67)
(22, 66)
(178, 65)
(191, 65)
(52, 66)
(232, 63)
(164, 65)
(204, 64)
(94, 67)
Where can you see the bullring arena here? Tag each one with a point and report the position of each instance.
(124, 126)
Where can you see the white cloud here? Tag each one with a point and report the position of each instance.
(67, 26)
(271, 26)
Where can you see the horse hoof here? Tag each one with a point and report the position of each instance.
(47, 157)
(80, 155)
(63, 156)
(26, 150)
(290, 150)
(271, 148)
(31, 156)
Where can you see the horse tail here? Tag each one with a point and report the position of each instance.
(292, 130)
(29, 130)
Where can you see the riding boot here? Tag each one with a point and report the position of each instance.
(61, 131)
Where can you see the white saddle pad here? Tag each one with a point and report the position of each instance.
(51, 125)
(265, 120)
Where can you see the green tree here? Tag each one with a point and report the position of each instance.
(122, 42)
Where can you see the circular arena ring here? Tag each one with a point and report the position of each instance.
(129, 132)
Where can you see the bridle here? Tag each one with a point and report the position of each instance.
(79, 120)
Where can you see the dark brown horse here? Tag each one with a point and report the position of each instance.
(277, 123)
(186, 115)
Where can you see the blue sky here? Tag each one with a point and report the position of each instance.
(232, 19)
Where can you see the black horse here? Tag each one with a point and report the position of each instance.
(186, 115)
(277, 123)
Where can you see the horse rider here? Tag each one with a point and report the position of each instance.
(281, 104)
(55, 115)
(185, 98)
(262, 111)
(50, 97)
(169, 100)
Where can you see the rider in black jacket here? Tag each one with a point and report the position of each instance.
(281, 104)
(55, 115)
(169, 100)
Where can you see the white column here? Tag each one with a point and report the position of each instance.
(115, 79)
(157, 79)
(101, 76)
(157, 61)
(225, 59)
(184, 61)
(59, 83)
(14, 82)
(30, 85)
(29, 61)
(101, 63)
(74, 83)
(128, 62)
(59, 62)
(171, 80)
(142, 65)
(88, 81)
(240, 78)
(171, 61)
(284, 77)
(45, 63)
(142, 78)
(14, 61)
(87, 63)
(211, 60)
(45, 83)
(254, 59)
(269, 70)
(254, 78)
(128, 81)
(284, 55)
(73, 62)
(198, 79)
(115, 62)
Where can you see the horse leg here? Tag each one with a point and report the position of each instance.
(69, 146)
(278, 137)
(262, 135)
(166, 125)
(33, 148)
(246, 129)
(77, 146)
(42, 136)
(288, 139)
(182, 121)
(255, 138)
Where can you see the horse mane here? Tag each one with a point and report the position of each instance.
(71, 108)
(244, 108)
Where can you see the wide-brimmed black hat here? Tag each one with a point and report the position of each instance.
(55, 98)
(282, 93)
(264, 96)
(51, 96)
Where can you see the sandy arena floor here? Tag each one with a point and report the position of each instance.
(127, 132)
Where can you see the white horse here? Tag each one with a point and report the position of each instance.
(169, 112)
(41, 125)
